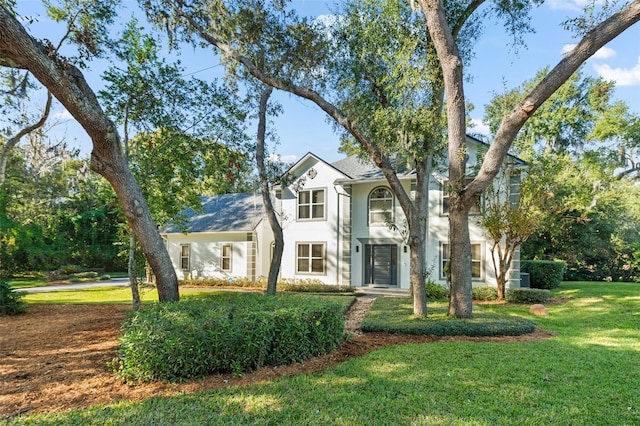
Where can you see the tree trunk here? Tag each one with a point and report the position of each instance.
(461, 300)
(133, 277)
(68, 85)
(274, 267)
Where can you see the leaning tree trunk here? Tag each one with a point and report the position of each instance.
(19, 50)
(276, 259)
(133, 278)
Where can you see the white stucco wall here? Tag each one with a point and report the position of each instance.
(363, 233)
(205, 249)
(323, 231)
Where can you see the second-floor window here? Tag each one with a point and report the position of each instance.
(475, 209)
(311, 204)
(380, 206)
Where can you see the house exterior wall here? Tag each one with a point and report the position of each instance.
(205, 252)
(363, 233)
(313, 231)
(338, 223)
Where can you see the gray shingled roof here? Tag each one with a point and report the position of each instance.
(228, 212)
(358, 168)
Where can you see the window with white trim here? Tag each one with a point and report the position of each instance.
(310, 258)
(185, 257)
(311, 204)
(515, 183)
(225, 257)
(380, 206)
(476, 260)
(475, 209)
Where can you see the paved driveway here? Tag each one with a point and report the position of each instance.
(114, 282)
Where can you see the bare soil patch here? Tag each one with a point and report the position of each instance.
(54, 358)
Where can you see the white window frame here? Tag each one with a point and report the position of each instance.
(445, 257)
(311, 205)
(444, 202)
(388, 214)
(185, 257)
(309, 259)
(228, 257)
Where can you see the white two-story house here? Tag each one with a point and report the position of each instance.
(341, 225)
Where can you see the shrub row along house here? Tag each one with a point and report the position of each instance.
(341, 225)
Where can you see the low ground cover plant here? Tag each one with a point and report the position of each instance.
(395, 315)
(227, 332)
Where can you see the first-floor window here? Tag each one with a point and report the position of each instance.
(225, 257)
(476, 260)
(310, 258)
(185, 256)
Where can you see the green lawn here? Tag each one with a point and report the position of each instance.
(589, 374)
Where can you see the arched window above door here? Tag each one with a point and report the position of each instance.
(380, 206)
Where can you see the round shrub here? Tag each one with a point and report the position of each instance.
(527, 295)
(484, 293)
(545, 274)
(436, 291)
(11, 302)
(226, 333)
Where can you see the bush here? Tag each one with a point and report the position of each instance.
(484, 293)
(395, 315)
(527, 295)
(436, 291)
(546, 274)
(226, 333)
(11, 302)
(298, 286)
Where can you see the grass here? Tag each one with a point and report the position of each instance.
(395, 315)
(588, 374)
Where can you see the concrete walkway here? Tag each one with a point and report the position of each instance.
(114, 282)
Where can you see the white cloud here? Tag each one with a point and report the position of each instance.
(566, 4)
(603, 53)
(478, 126)
(621, 76)
(62, 115)
(283, 158)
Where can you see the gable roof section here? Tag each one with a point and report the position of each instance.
(361, 169)
(308, 155)
(223, 213)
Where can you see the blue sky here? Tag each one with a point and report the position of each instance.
(304, 128)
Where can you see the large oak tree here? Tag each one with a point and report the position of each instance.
(66, 82)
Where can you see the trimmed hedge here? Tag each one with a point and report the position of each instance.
(295, 286)
(546, 274)
(226, 333)
(527, 295)
(395, 315)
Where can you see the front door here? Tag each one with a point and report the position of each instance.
(381, 264)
